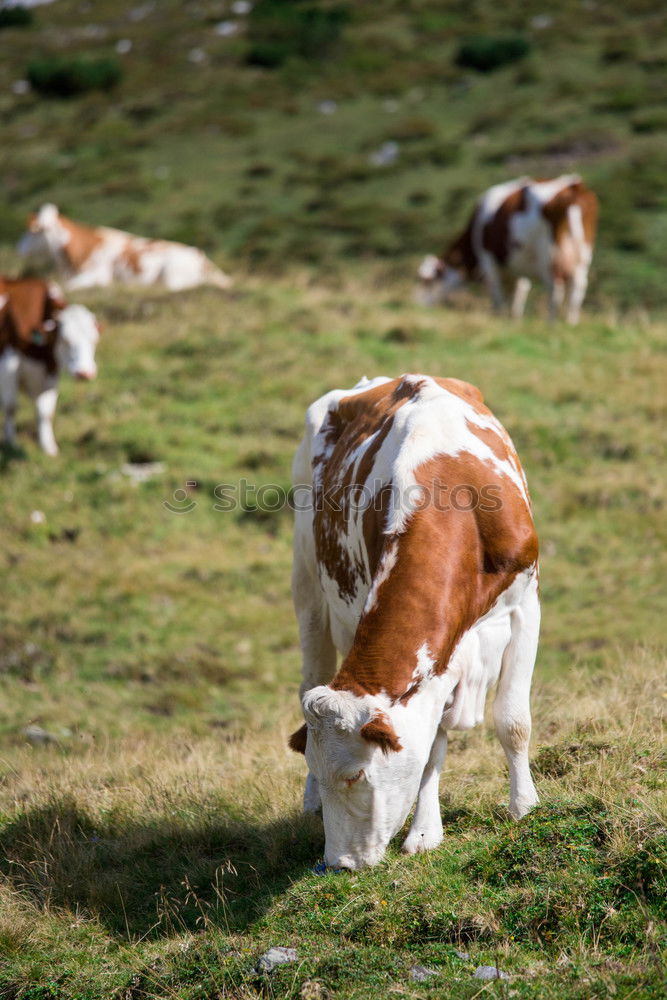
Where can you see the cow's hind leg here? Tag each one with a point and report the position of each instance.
(511, 708)
(426, 828)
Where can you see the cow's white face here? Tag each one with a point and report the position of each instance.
(437, 280)
(44, 236)
(368, 775)
(79, 334)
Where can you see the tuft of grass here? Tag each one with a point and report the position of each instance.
(63, 77)
(486, 53)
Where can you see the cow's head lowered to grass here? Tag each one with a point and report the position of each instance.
(368, 759)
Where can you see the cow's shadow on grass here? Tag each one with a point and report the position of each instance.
(160, 878)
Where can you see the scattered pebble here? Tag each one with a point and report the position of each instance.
(541, 21)
(227, 28)
(274, 957)
(327, 107)
(489, 972)
(241, 7)
(38, 517)
(463, 955)
(386, 154)
(123, 46)
(420, 973)
(391, 105)
(141, 472)
(38, 736)
(139, 13)
(20, 87)
(197, 56)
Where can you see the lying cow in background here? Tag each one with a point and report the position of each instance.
(88, 256)
(523, 229)
(39, 336)
(417, 561)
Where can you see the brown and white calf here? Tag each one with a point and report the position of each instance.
(88, 256)
(415, 557)
(40, 335)
(525, 229)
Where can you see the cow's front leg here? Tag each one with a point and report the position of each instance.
(493, 281)
(521, 290)
(9, 387)
(426, 828)
(45, 404)
(318, 650)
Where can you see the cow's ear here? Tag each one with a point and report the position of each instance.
(380, 731)
(297, 740)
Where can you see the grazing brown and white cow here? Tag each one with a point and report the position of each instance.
(523, 229)
(415, 557)
(87, 256)
(39, 336)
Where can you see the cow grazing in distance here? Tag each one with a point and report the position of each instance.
(415, 557)
(40, 335)
(524, 229)
(89, 256)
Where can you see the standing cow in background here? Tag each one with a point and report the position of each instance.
(415, 557)
(523, 229)
(88, 256)
(39, 336)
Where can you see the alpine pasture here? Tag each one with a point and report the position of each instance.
(151, 838)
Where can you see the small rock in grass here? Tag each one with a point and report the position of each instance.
(463, 955)
(274, 957)
(489, 972)
(226, 28)
(420, 973)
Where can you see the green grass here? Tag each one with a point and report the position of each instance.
(157, 847)
(154, 848)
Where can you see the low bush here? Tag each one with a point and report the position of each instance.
(61, 77)
(488, 52)
(15, 17)
(279, 30)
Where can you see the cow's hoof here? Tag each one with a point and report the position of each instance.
(520, 807)
(418, 841)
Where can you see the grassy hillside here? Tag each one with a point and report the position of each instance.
(242, 160)
(151, 844)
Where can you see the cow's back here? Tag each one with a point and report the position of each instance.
(414, 472)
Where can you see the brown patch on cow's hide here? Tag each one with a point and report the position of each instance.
(297, 740)
(556, 212)
(83, 241)
(496, 232)
(451, 566)
(338, 485)
(28, 318)
(130, 258)
(380, 731)
(460, 254)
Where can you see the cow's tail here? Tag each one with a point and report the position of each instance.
(215, 276)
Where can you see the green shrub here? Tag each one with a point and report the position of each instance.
(61, 77)
(281, 29)
(488, 52)
(15, 17)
